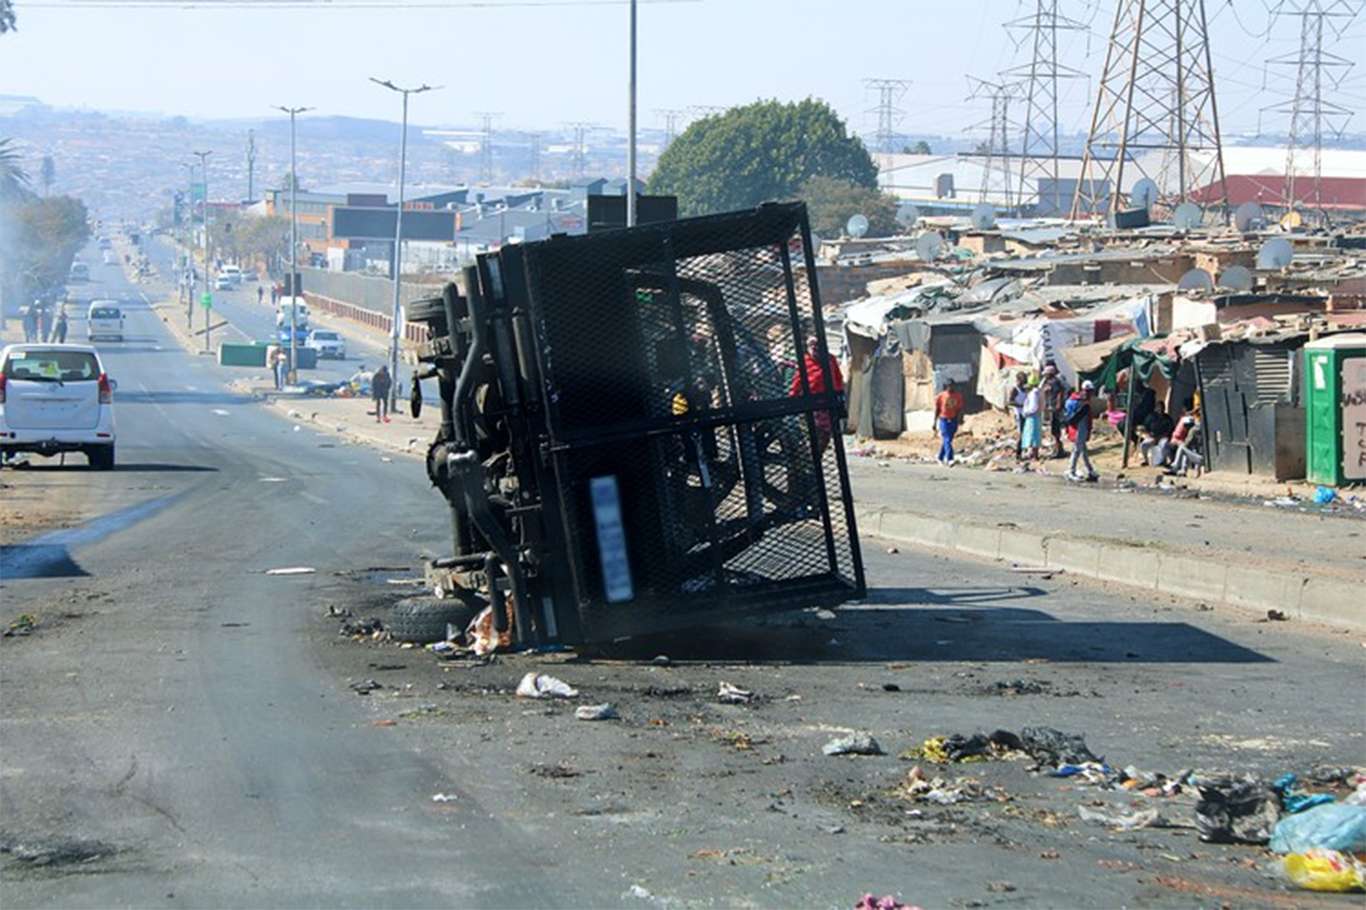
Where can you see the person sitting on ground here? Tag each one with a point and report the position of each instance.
(948, 409)
(1157, 433)
(1186, 439)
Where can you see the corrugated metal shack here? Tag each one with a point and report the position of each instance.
(1250, 403)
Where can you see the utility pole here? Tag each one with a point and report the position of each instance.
(1039, 141)
(631, 129)
(187, 276)
(1310, 111)
(396, 318)
(208, 288)
(251, 166)
(889, 92)
(295, 292)
(486, 145)
(1156, 95)
(998, 146)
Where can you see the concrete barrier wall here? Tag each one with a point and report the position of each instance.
(364, 298)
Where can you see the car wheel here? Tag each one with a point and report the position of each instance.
(101, 457)
(423, 620)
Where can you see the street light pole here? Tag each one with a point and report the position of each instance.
(631, 129)
(395, 319)
(293, 241)
(204, 173)
(187, 277)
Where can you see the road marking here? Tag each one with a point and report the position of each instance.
(272, 479)
(220, 412)
(190, 388)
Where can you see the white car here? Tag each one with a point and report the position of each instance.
(56, 398)
(327, 343)
(104, 319)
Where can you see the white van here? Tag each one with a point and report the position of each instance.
(232, 272)
(104, 320)
(56, 398)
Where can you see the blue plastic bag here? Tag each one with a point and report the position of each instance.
(1325, 495)
(1333, 826)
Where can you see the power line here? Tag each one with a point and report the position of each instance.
(672, 116)
(998, 147)
(889, 92)
(486, 119)
(1156, 95)
(334, 4)
(578, 158)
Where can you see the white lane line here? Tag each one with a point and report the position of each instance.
(317, 500)
(220, 412)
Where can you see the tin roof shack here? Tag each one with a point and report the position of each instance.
(1158, 264)
(1253, 418)
(1187, 310)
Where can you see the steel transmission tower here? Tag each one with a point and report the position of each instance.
(1039, 139)
(1155, 98)
(889, 92)
(579, 156)
(486, 119)
(998, 147)
(1310, 112)
(536, 157)
(251, 165)
(672, 116)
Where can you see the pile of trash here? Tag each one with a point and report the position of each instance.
(1321, 837)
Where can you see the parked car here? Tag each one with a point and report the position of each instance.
(224, 283)
(79, 274)
(327, 343)
(232, 272)
(56, 398)
(104, 319)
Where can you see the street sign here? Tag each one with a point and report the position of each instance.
(206, 301)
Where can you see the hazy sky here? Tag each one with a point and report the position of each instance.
(541, 65)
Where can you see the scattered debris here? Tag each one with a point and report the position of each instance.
(596, 712)
(1146, 818)
(1000, 887)
(366, 687)
(1235, 809)
(543, 685)
(1276, 616)
(560, 771)
(853, 744)
(869, 902)
(292, 570)
(444, 797)
(730, 694)
(1325, 870)
(920, 787)
(1332, 826)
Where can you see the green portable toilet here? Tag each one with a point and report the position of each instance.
(1335, 409)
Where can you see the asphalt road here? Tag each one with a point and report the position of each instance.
(179, 730)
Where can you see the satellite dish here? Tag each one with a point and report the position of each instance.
(1248, 217)
(984, 216)
(1275, 254)
(1188, 216)
(1236, 278)
(1144, 194)
(857, 226)
(929, 246)
(907, 216)
(1291, 220)
(1196, 280)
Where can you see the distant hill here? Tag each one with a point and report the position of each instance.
(338, 129)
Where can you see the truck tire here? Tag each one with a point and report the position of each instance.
(101, 457)
(423, 620)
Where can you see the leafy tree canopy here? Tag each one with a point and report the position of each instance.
(42, 237)
(6, 16)
(833, 202)
(757, 153)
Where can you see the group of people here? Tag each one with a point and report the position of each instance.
(39, 326)
(1165, 442)
(1035, 403)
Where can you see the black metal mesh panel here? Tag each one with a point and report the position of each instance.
(671, 359)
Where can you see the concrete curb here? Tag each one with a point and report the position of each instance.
(1336, 601)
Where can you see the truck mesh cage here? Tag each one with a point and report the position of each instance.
(672, 360)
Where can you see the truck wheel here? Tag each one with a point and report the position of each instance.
(423, 620)
(101, 457)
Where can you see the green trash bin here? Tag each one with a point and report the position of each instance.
(1335, 409)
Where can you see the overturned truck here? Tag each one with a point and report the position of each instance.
(631, 440)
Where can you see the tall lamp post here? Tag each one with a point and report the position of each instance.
(631, 129)
(396, 329)
(293, 241)
(187, 277)
(204, 173)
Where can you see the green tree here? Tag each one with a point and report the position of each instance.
(13, 179)
(246, 238)
(6, 16)
(833, 202)
(759, 152)
(47, 173)
(920, 148)
(43, 238)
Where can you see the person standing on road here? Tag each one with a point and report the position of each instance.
(1015, 401)
(59, 331)
(260, 295)
(30, 324)
(948, 408)
(280, 367)
(45, 325)
(1053, 398)
(815, 383)
(1078, 418)
(1031, 429)
(379, 391)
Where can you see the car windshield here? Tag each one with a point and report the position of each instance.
(105, 312)
(52, 366)
(325, 336)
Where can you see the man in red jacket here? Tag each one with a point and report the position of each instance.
(815, 379)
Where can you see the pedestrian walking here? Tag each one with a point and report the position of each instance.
(1078, 418)
(948, 409)
(1031, 428)
(1015, 401)
(815, 383)
(45, 325)
(260, 295)
(1053, 398)
(59, 331)
(280, 366)
(30, 324)
(379, 391)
